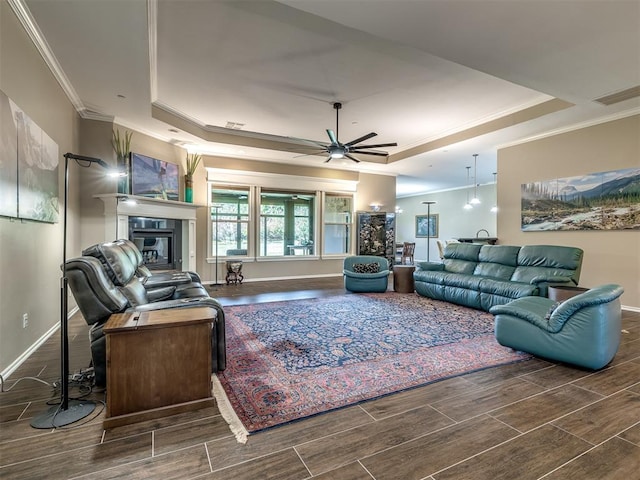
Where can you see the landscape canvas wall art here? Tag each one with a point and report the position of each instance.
(29, 167)
(8, 158)
(598, 201)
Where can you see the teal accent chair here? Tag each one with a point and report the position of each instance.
(584, 330)
(365, 282)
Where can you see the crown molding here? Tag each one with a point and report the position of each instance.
(576, 126)
(31, 27)
(152, 25)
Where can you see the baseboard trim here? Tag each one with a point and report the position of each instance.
(271, 279)
(13, 366)
(630, 309)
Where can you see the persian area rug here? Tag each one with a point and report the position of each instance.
(290, 360)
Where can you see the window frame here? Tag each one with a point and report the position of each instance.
(253, 231)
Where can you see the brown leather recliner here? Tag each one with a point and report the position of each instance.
(104, 281)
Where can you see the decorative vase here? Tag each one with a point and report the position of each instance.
(122, 164)
(188, 188)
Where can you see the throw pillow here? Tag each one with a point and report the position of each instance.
(366, 267)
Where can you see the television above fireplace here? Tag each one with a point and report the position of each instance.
(154, 178)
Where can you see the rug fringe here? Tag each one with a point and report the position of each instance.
(227, 411)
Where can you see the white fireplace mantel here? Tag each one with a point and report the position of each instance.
(119, 207)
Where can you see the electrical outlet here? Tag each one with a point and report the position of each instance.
(25, 320)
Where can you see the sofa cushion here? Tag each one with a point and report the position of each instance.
(506, 288)
(494, 270)
(366, 267)
(435, 277)
(497, 261)
(461, 280)
(541, 274)
(459, 266)
(550, 256)
(463, 251)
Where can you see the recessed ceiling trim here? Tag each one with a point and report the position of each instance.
(521, 116)
(574, 127)
(620, 96)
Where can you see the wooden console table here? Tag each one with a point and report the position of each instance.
(158, 363)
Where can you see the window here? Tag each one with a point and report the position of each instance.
(229, 221)
(286, 223)
(337, 224)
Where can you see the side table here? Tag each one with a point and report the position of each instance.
(560, 293)
(234, 271)
(403, 278)
(158, 363)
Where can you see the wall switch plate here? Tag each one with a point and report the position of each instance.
(25, 320)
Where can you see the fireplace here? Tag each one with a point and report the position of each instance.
(153, 218)
(159, 240)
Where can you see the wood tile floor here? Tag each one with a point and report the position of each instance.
(530, 420)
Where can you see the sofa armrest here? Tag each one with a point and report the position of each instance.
(521, 313)
(595, 296)
(159, 294)
(432, 266)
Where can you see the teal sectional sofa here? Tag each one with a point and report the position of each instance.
(481, 276)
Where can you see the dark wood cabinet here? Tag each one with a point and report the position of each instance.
(158, 363)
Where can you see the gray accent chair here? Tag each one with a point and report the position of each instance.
(584, 330)
(362, 282)
(102, 287)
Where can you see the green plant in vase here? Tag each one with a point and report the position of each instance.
(193, 159)
(122, 147)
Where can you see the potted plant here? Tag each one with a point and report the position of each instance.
(122, 147)
(193, 159)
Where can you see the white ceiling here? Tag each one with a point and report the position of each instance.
(416, 72)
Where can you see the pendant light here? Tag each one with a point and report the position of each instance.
(494, 209)
(468, 206)
(475, 200)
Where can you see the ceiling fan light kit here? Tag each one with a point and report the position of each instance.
(336, 150)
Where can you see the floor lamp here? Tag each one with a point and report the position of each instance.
(217, 207)
(67, 411)
(428, 204)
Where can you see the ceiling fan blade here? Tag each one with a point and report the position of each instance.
(319, 152)
(361, 139)
(364, 152)
(332, 137)
(314, 142)
(394, 144)
(351, 157)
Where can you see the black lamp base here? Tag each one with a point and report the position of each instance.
(54, 417)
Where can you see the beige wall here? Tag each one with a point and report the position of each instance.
(31, 252)
(610, 256)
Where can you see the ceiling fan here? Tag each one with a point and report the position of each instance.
(336, 149)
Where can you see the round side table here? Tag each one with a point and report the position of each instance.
(403, 278)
